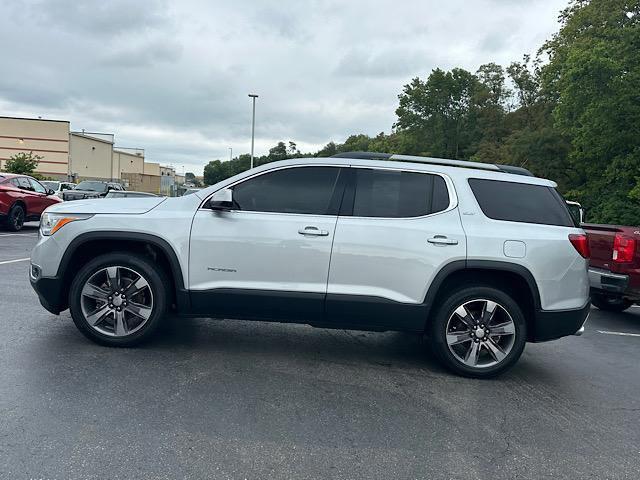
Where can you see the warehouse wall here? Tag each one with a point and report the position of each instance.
(124, 162)
(91, 157)
(48, 138)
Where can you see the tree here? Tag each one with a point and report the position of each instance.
(592, 76)
(441, 112)
(23, 163)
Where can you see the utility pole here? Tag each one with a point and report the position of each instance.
(230, 153)
(253, 124)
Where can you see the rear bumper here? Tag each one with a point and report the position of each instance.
(605, 281)
(550, 325)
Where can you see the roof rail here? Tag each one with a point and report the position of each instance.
(436, 161)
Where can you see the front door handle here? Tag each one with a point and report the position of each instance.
(313, 231)
(442, 240)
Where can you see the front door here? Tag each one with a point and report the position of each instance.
(268, 257)
(397, 231)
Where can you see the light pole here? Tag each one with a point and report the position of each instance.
(253, 123)
(230, 153)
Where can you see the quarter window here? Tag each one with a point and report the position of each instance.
(521, 202)
(397, 194)
(306, 190)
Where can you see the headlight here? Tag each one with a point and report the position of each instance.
(50, 223)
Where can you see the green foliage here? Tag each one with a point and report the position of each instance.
(574, 119)
(23, 163)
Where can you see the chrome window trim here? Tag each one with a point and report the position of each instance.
(453, 197)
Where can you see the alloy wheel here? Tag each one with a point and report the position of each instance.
(480, 333)
(18, 219)
(116, 301)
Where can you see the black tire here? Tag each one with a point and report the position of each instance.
(610, 303)
(16, 218)
(469, 295)
(157, 284)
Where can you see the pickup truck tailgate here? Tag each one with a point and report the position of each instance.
(601, 244)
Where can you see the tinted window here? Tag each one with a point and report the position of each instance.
(52, 185)
(294, 190)
(36, 186)
(24, 183)
(519, 202)
(92, 186)
(394, 194)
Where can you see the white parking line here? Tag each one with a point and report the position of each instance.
(622, 334)
(14, 261)
(18, 234)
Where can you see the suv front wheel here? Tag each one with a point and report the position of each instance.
(118, 299)
(478, 332)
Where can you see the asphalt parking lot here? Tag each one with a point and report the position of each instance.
(244, 400)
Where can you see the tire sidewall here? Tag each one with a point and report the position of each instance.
(157, 283)
(11, 218)
(449, 305)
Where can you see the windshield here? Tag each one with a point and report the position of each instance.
(92, 186)
(52, 185)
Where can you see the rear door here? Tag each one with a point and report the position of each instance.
(397, 229)
(29, 196)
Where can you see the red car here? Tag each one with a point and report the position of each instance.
(22, 199)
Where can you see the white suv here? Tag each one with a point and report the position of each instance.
(481, 258)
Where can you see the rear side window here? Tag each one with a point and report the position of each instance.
(397, 194)
(305, 190)
(521, 202)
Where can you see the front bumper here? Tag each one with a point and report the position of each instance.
(550, 325)
(605, 281)
(50, 293)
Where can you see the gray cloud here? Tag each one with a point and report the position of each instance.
(173, 77)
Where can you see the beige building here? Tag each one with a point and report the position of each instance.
(77, 155)
(127, 161)
(47, 138)
(91, 157)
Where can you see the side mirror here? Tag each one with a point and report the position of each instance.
(222, 200)
(50, 192)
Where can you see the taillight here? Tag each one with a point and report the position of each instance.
(624, 248)
(580, 243)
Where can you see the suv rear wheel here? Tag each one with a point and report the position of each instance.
(478, 332)
(118, 299)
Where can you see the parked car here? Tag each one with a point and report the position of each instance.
(22, 199)
(128, 194)
(58, 187)
(91, 189)
(480, 257)
(614, 266)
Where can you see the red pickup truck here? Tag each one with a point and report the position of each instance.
(614, 266)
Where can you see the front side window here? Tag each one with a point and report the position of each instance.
(304, 190)
(36, 186)
(521, 202)
(398, 194)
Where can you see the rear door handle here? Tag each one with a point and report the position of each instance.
(442, 240)
(313, 232)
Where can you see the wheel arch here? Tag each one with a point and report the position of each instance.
(86, 245)
(515, 279)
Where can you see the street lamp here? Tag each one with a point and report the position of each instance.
(253, 123)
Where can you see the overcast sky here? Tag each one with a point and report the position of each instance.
(172, 77)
